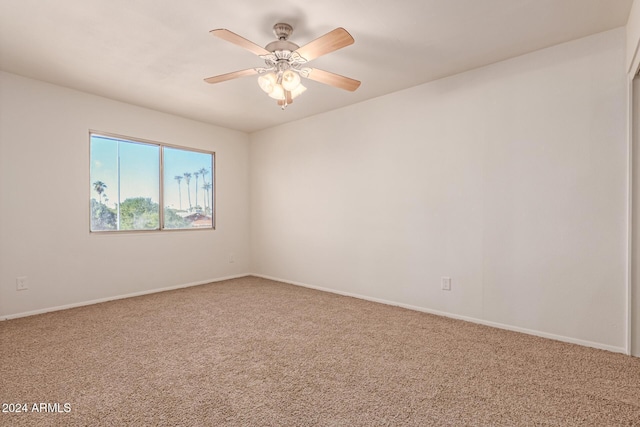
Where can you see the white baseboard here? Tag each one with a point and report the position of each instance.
(334, 291)
(456, 316)
(117, 297)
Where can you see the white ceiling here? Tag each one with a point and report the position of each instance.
(155, 53)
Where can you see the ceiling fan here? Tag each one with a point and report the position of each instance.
(285, 62)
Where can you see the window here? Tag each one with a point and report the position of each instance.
(130, 180)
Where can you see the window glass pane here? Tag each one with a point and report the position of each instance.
(125, 184)
(188, 189)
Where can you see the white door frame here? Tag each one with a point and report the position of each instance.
(632, 346)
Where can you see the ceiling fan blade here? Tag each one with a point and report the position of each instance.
(333, 79)
(240, 41)
(330, 42)
(231, 76)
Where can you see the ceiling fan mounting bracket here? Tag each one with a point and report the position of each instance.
(282, 47)
(282, 30)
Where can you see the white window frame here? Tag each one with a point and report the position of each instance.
(161, 213)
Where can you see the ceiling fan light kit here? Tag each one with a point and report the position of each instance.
(281, 78)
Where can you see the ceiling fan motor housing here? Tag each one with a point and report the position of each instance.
(281, 45)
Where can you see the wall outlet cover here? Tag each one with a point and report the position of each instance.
(21, 283)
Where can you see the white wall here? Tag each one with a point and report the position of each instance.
(510, 179)
(44, 209)
(633, 37)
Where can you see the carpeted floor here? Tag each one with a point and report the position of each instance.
(253, 352)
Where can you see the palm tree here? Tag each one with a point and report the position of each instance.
(207, 187)
(203, 173)
(196, 174)
(187, 179)
(99, 186)
(179, 179)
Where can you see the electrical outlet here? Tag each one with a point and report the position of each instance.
(21, 283)
(445, 283)
(232, 258)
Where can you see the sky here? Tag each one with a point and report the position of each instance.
(140, 171)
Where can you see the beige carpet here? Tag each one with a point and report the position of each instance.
(253, 352)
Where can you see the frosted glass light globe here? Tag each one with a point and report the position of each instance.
(277, 92)
(297, 91)
(267, 82)
(290, 80)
